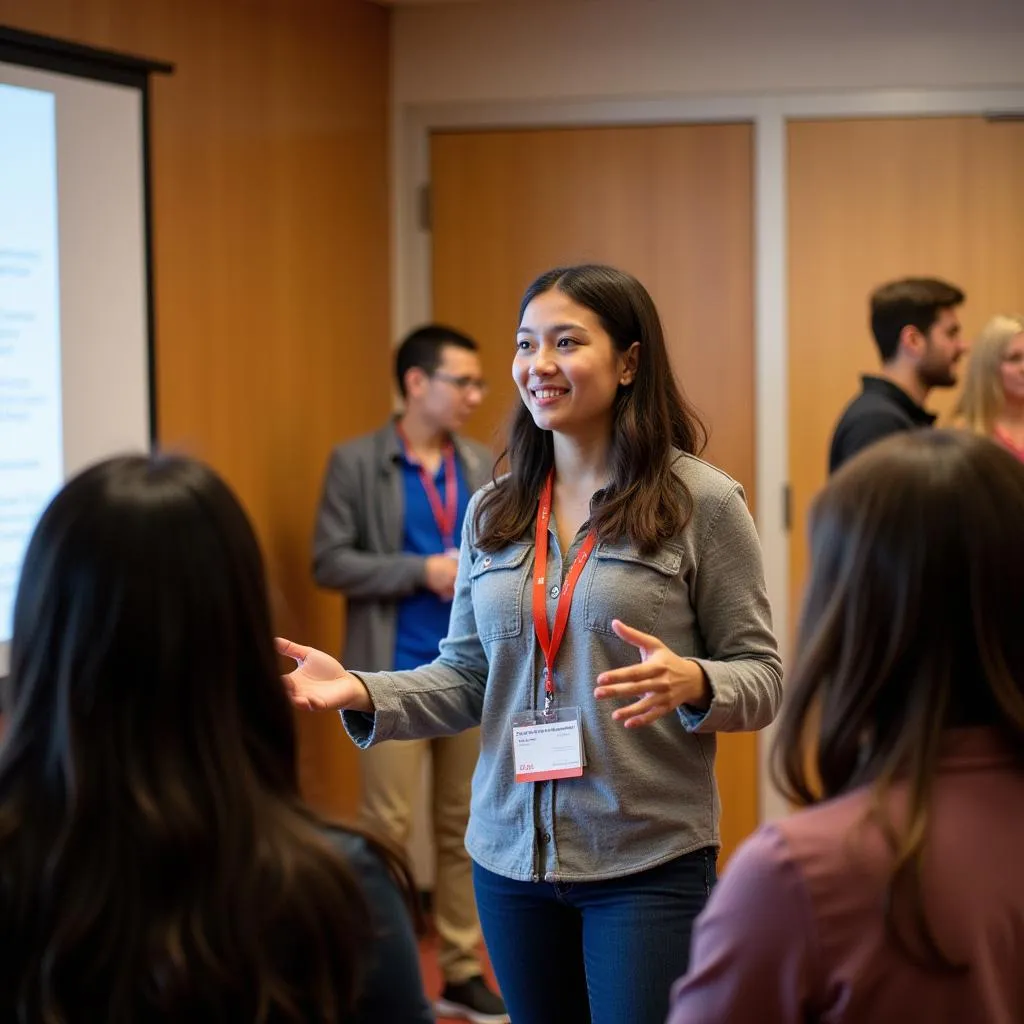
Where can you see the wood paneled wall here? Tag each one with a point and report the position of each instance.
(865, 208)
(270, 205)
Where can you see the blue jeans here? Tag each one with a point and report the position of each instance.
(593, 952)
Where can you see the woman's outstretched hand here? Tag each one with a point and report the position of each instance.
(661, 682)
(320, 683)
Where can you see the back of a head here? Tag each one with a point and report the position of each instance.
(910, 629)
(982, 400)
(155, 859)
(911, 301)
(911, 621)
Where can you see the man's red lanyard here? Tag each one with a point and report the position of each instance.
(550, 643)
(445, 514)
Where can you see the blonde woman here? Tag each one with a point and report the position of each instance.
(993, 398)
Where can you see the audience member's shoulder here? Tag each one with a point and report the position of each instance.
(354, 849)
(812, 851)
(823, 837)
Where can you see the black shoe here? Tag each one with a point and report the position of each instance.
(471, 1000)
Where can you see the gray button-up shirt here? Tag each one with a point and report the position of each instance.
(647, 795)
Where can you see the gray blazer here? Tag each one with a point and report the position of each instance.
(647, 795)
(357, 544)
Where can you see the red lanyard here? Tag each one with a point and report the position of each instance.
(550, 643)
(444, 515)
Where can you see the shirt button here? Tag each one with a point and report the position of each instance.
(546, 837)
(487, 561)
(554, 591)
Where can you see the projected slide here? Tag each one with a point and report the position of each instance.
(31, 449)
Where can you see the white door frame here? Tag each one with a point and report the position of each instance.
(769, 114)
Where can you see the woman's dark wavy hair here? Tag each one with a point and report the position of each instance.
(645, 500)
(156, 861)
(910, 627)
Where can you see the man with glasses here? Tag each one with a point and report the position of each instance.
(387, 537)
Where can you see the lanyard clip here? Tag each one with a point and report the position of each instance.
(549, 693)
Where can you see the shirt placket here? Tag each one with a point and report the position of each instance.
(544, 806)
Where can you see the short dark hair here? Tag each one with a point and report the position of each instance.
(421, 349)
(909, 302)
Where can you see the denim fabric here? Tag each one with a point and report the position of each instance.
(593, 952)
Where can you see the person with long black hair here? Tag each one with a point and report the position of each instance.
(156, 860)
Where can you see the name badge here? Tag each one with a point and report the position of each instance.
(547, 745)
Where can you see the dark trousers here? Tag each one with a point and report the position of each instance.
(593, 952)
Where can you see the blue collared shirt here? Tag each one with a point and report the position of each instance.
(423, 617)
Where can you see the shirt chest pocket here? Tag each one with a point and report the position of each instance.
(498, 581)
(630, 586)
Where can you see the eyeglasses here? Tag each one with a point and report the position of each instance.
(463, 383)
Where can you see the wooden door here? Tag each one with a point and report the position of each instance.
(874, 200)
(672, 205)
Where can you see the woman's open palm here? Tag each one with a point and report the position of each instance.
(320, 683)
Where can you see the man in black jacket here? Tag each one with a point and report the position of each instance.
(918, 334)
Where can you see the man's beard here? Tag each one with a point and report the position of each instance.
(938, 376)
